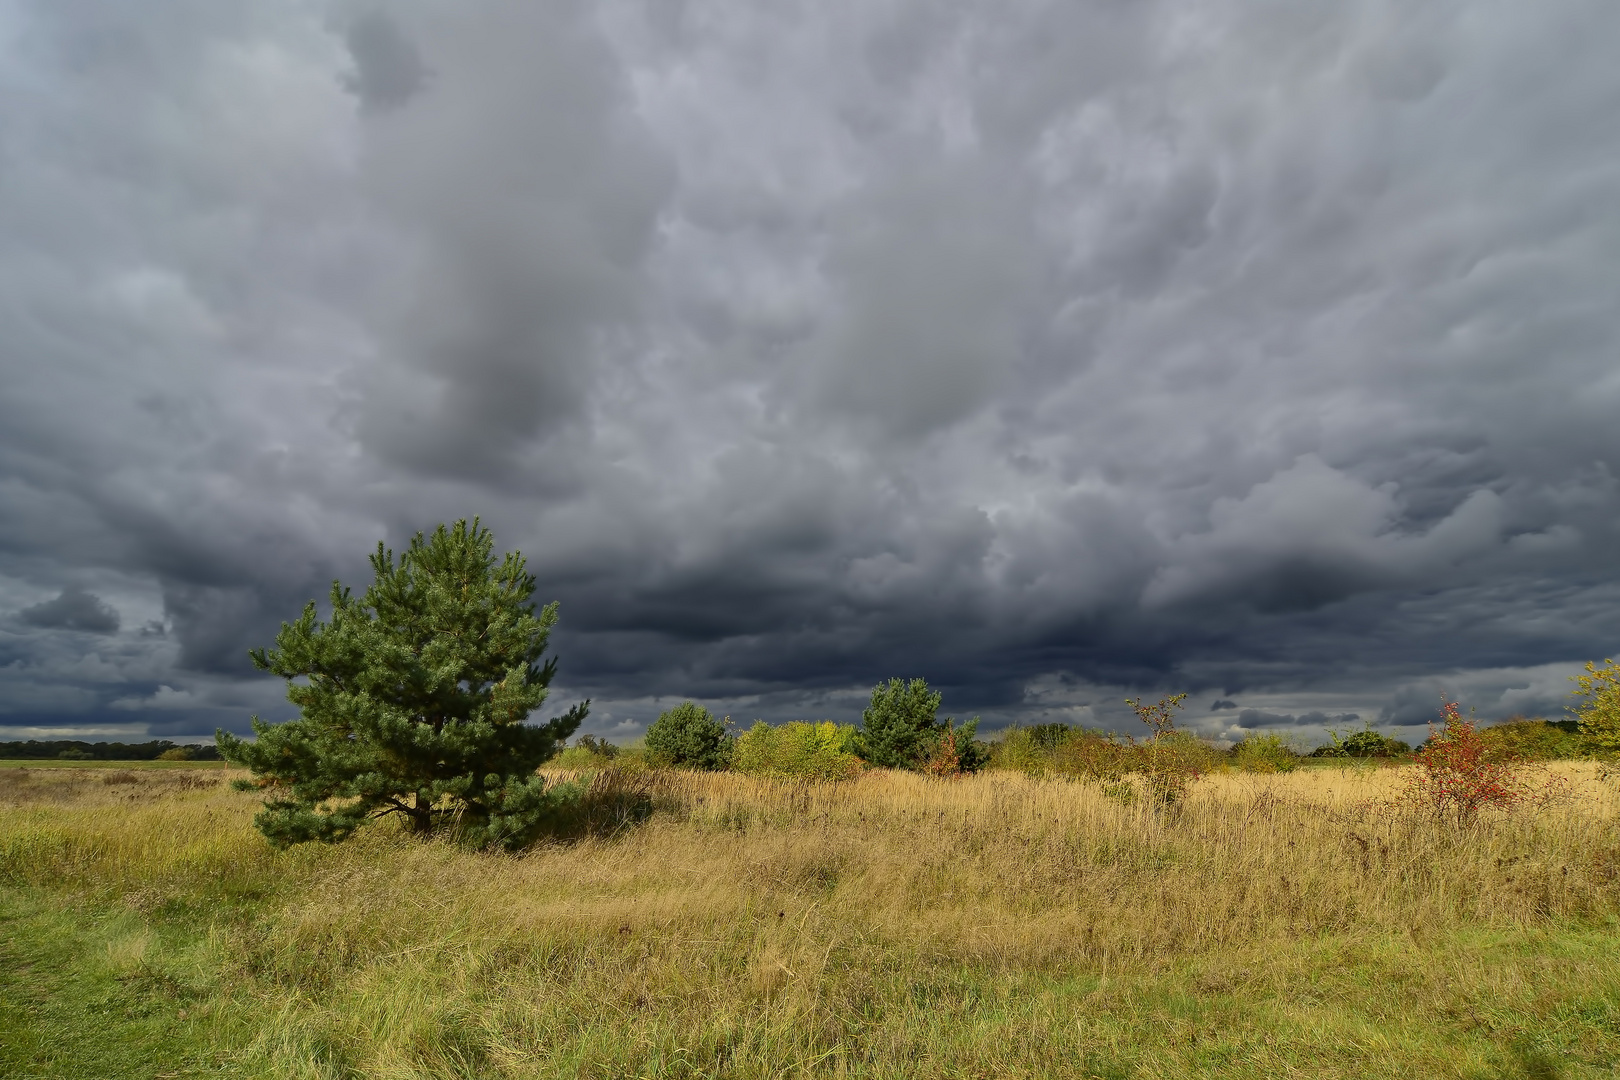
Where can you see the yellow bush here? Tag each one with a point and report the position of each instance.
(798, 750)
(1600, 712)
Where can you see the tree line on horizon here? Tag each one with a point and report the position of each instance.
(414, 699)
(80, 750)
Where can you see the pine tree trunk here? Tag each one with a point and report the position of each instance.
(422, 815)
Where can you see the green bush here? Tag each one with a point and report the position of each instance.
(1048, 737)
(1060, 750)
(689, 737)
(1366, 743)
(798, 750)
(1172, 761)
(1018, 750)
(1518, 739)
(1264, 754)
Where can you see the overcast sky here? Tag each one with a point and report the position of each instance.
(1051, 351)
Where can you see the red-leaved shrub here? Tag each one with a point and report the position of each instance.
(1460, 772)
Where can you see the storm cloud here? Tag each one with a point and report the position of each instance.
(1050, 351)
(74, 609)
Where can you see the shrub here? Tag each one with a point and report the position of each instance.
(413, 700)
(1264, 754)
(1365, 743)
(1018, 749)
(1049, 737)
(898, 727)
(798, 750)
(1092, 755)
(1171, 760)
(1519, 739)
(1458, 775)
(956, 751)
(177, 753)
(1599, 714)
(689, 737)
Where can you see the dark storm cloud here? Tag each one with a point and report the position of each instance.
(1255, 718)
(1053, 351)
(74, 609)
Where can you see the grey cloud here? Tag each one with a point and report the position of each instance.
(73, 609)
(1055, 352)
(216, 627)
(1258, 718)
(936, 272)
(525, 191)
(1311, 535)
(389, 68)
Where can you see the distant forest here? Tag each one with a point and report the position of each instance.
(73, 750)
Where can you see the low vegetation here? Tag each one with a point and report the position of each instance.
(689, 737)
(824, 751)
(1312, 922)
(895, 899)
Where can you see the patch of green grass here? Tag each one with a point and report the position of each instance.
(88, 992)
(85, 995)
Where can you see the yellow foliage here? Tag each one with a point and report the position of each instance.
(1600, 712)
(798, 749)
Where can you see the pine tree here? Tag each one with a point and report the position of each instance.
(413, 701)
(898, 728)
(689, 737)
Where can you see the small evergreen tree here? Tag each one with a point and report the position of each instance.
(689, 737)
(415, 702)
(898, 729)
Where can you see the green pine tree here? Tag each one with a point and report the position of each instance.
(413, 701)
(898, 728)
(689, 737)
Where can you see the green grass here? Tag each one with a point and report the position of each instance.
(96, 993)
(90, 991)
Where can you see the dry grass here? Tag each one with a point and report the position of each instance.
(895, 925)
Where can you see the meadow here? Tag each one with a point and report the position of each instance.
(894, 925)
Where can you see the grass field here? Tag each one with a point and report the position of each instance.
(894, 926)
